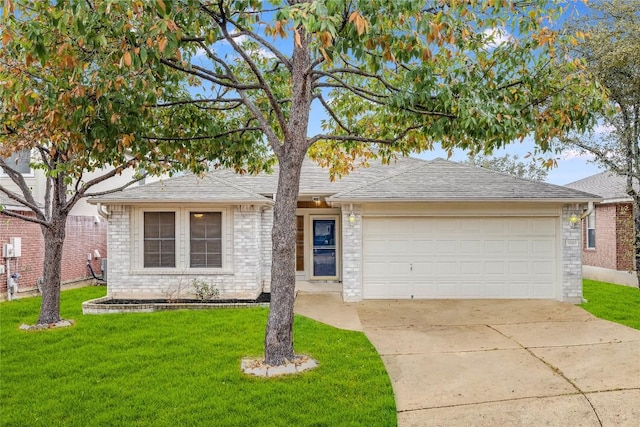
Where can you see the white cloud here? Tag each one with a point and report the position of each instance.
(497, 36)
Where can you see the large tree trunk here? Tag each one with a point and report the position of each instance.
(54, 235)
(278, 344)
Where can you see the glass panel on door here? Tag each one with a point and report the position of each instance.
(324, 248)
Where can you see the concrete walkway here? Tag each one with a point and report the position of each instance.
(496, 362)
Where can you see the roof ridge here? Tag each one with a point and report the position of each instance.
(422, 164)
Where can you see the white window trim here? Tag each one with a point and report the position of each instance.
(182, 242)
(589, 244)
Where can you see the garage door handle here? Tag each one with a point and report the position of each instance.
(410, 267)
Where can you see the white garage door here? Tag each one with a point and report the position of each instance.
(449, 257)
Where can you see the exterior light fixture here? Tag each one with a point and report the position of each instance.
(316, 200)
(198, 215)
(574, 219)
(352, 217)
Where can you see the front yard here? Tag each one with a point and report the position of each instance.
(617, 303)
(180, 368)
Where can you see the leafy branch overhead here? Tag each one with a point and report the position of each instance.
(401, 75)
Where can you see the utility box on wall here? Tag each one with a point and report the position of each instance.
(17, 246)
(7, 251)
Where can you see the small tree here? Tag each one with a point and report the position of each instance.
(609, 43)
(82, 105)
(510, 165)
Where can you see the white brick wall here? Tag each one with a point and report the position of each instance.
(241, 275)
(571, 241)
(352, 255)
(267, 226)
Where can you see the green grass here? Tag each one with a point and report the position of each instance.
(617, 303)
(180, 368)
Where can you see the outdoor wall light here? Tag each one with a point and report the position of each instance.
(574, 219)
(352, 218)
(316, 200)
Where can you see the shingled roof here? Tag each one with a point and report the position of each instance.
(407, 179)
(185, 189)
(609, 186)
(442, 180)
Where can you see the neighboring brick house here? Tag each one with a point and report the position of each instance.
(84, 236)
(86, 232)
(607, 252)
(414, 230)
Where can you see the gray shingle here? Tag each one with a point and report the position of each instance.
(607, 185)
(185, 189)
(442, 180)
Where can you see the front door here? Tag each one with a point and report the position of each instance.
(324, 247)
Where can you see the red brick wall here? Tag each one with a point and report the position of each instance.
(624, 237)
(614, 234)
(84, 235)
(604, 254)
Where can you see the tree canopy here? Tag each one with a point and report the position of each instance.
(388, 78)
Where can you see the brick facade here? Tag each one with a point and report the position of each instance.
(84, 235)
(614, 233)
(242, 275)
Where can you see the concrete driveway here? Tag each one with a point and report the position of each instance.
(497, 362)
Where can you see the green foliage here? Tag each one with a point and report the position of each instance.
(180, 368)
(617, 303)
(204, 291)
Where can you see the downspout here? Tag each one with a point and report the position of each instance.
(588, 212)
(103, 212)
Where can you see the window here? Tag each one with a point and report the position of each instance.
(159, 239)
(19, 162)
(591, 230)
(205, 234)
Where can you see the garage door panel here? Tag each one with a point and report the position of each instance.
(471, 268)
(487, 257)
(495, 247)
(542, 247)
(471, 247)
(423, 246)
(448, 290)
(423, 267)
(519, 247)
(446, 268)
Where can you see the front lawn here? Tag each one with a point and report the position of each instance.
(180, 368)
(617, 303)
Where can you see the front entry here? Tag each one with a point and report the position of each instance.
(324, 248)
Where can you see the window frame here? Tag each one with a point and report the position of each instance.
(183, 241)
(590, 225)
(189, 238)
(175, 240)
(29, 174)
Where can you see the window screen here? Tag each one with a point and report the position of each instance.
(159, 239)
(205, 239)
(591, 230)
